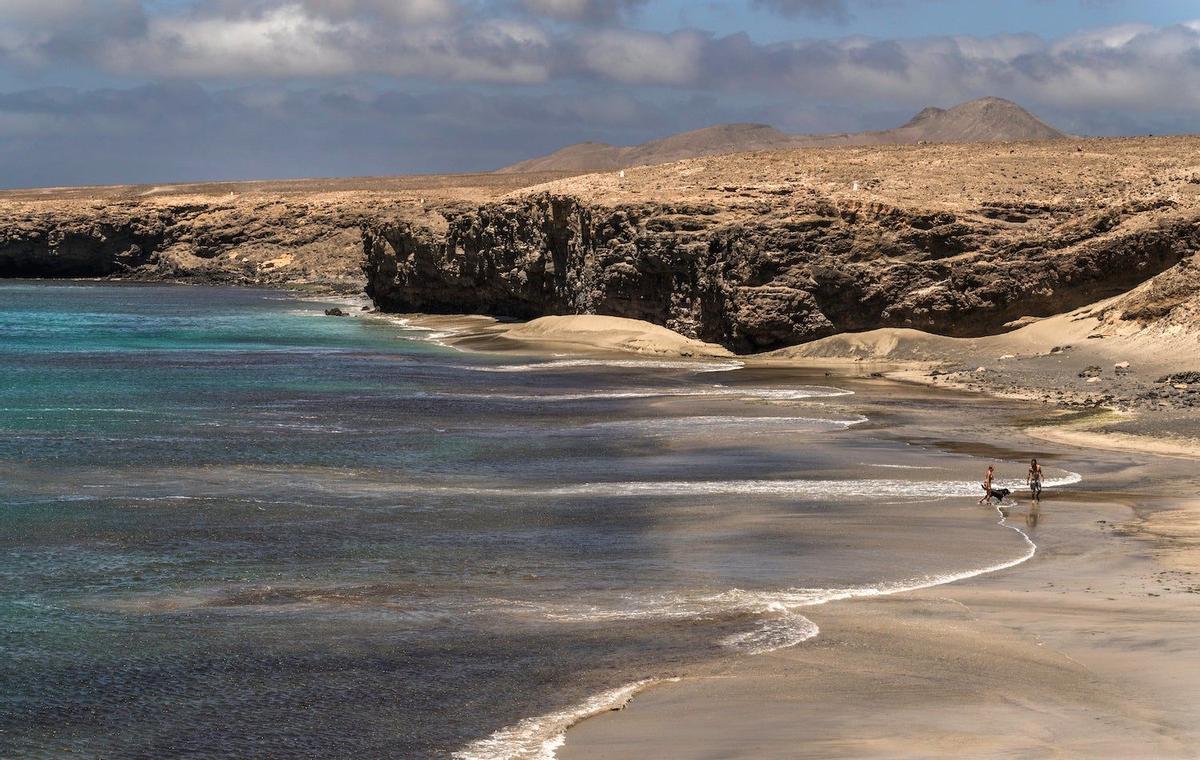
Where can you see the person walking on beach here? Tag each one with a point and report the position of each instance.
(987, 483)
(1034, 479)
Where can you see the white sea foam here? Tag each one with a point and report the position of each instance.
(722, 391)
(708, 424)
(539, 738)
(787, 629)
(422, 333)
(827, 488)
(695, 366)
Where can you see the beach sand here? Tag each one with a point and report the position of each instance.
(1086, 650)
(584, 334)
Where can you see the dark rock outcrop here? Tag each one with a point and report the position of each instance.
(81, 247)
(256, 241)
(770, 275)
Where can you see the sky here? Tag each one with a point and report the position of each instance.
(154, 91)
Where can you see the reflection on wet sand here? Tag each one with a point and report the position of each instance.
(1033, 513)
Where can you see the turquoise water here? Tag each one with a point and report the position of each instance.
(233, 527)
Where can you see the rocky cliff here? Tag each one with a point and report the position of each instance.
(265, 242)
(769, 250)
(298, 233)
(754, 251)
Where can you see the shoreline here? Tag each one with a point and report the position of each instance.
(771, 725)
(645, 722)
(542, 736)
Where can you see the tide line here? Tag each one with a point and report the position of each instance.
(540, 737)
(695, 366)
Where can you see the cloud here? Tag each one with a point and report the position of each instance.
(331, 38)
(212, 88)
(36, 34)
(641, 58)
(180, 131)
(583, 11)
(402, 11)
(282, 41)
(459, 41)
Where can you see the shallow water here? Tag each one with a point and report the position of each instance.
(234, 527)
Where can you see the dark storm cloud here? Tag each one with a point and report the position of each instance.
(177, 132)
(289, 87)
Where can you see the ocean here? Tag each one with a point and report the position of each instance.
(235, 527)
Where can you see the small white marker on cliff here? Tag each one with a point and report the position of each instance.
(621, 174)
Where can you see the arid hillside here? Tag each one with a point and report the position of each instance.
(982, 120)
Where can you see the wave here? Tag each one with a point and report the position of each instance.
(829, 488)
(707, 424)
(720, 391)
(539, 738)
(694, 365)
(115, 409)
(422, 333)
(766, 639)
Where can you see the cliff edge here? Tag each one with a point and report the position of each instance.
(765, 250)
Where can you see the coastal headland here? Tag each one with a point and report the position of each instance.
(753, 251)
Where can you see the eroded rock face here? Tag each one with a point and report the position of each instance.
(80, 247)
(754, 251)
(781, 272)
(261, 241)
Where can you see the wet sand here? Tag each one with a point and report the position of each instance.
(1086, 650)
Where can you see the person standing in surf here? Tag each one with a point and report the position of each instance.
(988, 477)
(1034, 479)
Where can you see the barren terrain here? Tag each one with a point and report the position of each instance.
(982, 120)
(291, 233)
(755, 252)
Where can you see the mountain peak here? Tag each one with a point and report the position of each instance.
(989, 119)
(927, 113)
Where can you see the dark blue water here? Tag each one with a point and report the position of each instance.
(233, 527)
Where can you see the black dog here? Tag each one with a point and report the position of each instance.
(999, 494)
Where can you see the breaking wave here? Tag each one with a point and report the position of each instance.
(539, 738)
(827, 488)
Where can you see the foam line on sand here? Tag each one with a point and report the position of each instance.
(540, 737)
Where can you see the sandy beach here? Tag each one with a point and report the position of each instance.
(1082, 651)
